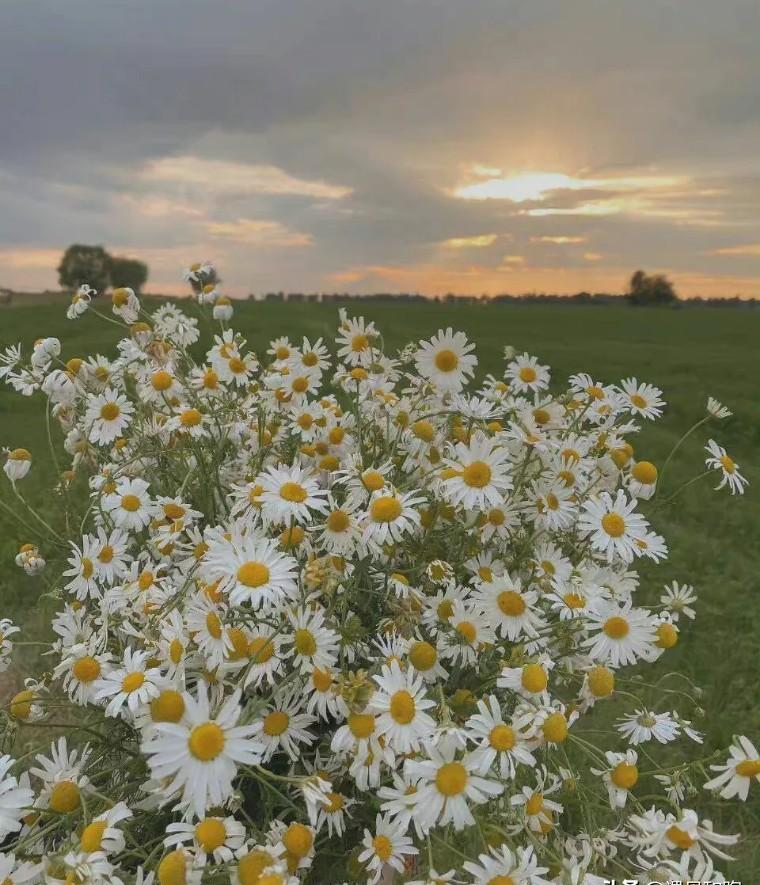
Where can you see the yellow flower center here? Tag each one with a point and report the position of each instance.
(261, 649)
(468, 631)
(383, 847)
(92, 836)
(667, 635)
(211, 834)
(638, 400)
(335, 803)
(446, 360)
(451, 779)
(422, 655)
(679, 838)
(298, 840)
(359, 343)
(109, 411)
(555, 728)
(748, 768)
(169, 706)
(190, 418)
(502, 738)
(236, 365)
(206, 741)
(616, 627)
(294, 492)
(574, 600)
(501, 880)
(338, 521)
(130, 503)
(373, 480)
(106, 554)
(132, 681)
(305, 643)
(477, 475)
(161, 381)
(300, 384)
(176, 651)
(214, 625)
(511, 603)
(728, 464)
(87, 568)
(535, 805)
(321, 680)
(624, 776)
(21, 704)
(644, 472)
(19, 455)
(385, 509)
(361, 725)
(528, 374)
(402, 707)
(253, 574)
(86, 670)
(423, 430)
(601, 681)
(64, 797)
(534, 678)
(173, 869)
(613, 524)
(276, 723)
(496, 516)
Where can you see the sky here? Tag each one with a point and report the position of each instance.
(471, 146)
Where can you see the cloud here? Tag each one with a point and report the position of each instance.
(477, 242)
(748, 249)
(259, 233)
(559, 240)
(226, 176)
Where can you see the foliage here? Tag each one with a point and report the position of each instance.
(128, 273)
(85, 264)
(651, 289)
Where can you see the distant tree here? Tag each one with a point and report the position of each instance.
(651, 289)
(128, 272)
(85, 264)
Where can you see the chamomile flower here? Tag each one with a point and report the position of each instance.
(62, 776)
(313, 644)
(103, 833)
(526, 375)
(446, 360)
(129, 505)
(400, 702)
(283, 726)
(503, 865)
(389, 846)
(620, 776)
(642, 399)
(613, 526)
(644, 725)
(391, 515)
(718, 459)
(18, 463)
(251, 570)
(107, 415)
(477, 474)
(448, 786)
(716, 409)
(737, 773)
(211, 838)
(15, 800)
(510, 609)
(132, 685)
(199, 756)
(620, 635)
(500, 744)
(678, 600)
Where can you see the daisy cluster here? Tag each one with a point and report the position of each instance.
(330, 615)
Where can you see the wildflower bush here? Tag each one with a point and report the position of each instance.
(329, 615)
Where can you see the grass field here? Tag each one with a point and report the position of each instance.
(714, 538)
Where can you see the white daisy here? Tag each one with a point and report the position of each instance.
(498, 741)
(133, 684)
(643, 725)
(718, 459)
(107, 415)
(198, 757)
(621, 634)
(620, 776)
(290, 495)
(401, 702)
(446, 360)
(613, 526)
(509, 608)
(388, 847)
(15, 800)
(477, 475)
(739, 770)
(129, 505)
(218, 838)
(642, 399)
(447, 786)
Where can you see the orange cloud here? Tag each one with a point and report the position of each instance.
(749, 249)
(476, 242)
(259, 232)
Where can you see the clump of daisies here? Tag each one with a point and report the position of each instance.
(327, 614)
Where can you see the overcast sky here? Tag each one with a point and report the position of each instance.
(385, 145)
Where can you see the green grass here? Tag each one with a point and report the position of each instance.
(689, 353)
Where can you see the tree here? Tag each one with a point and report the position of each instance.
(128, 272)
(651, 289)
(85, 264)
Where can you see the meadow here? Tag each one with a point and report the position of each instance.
(689, 353)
